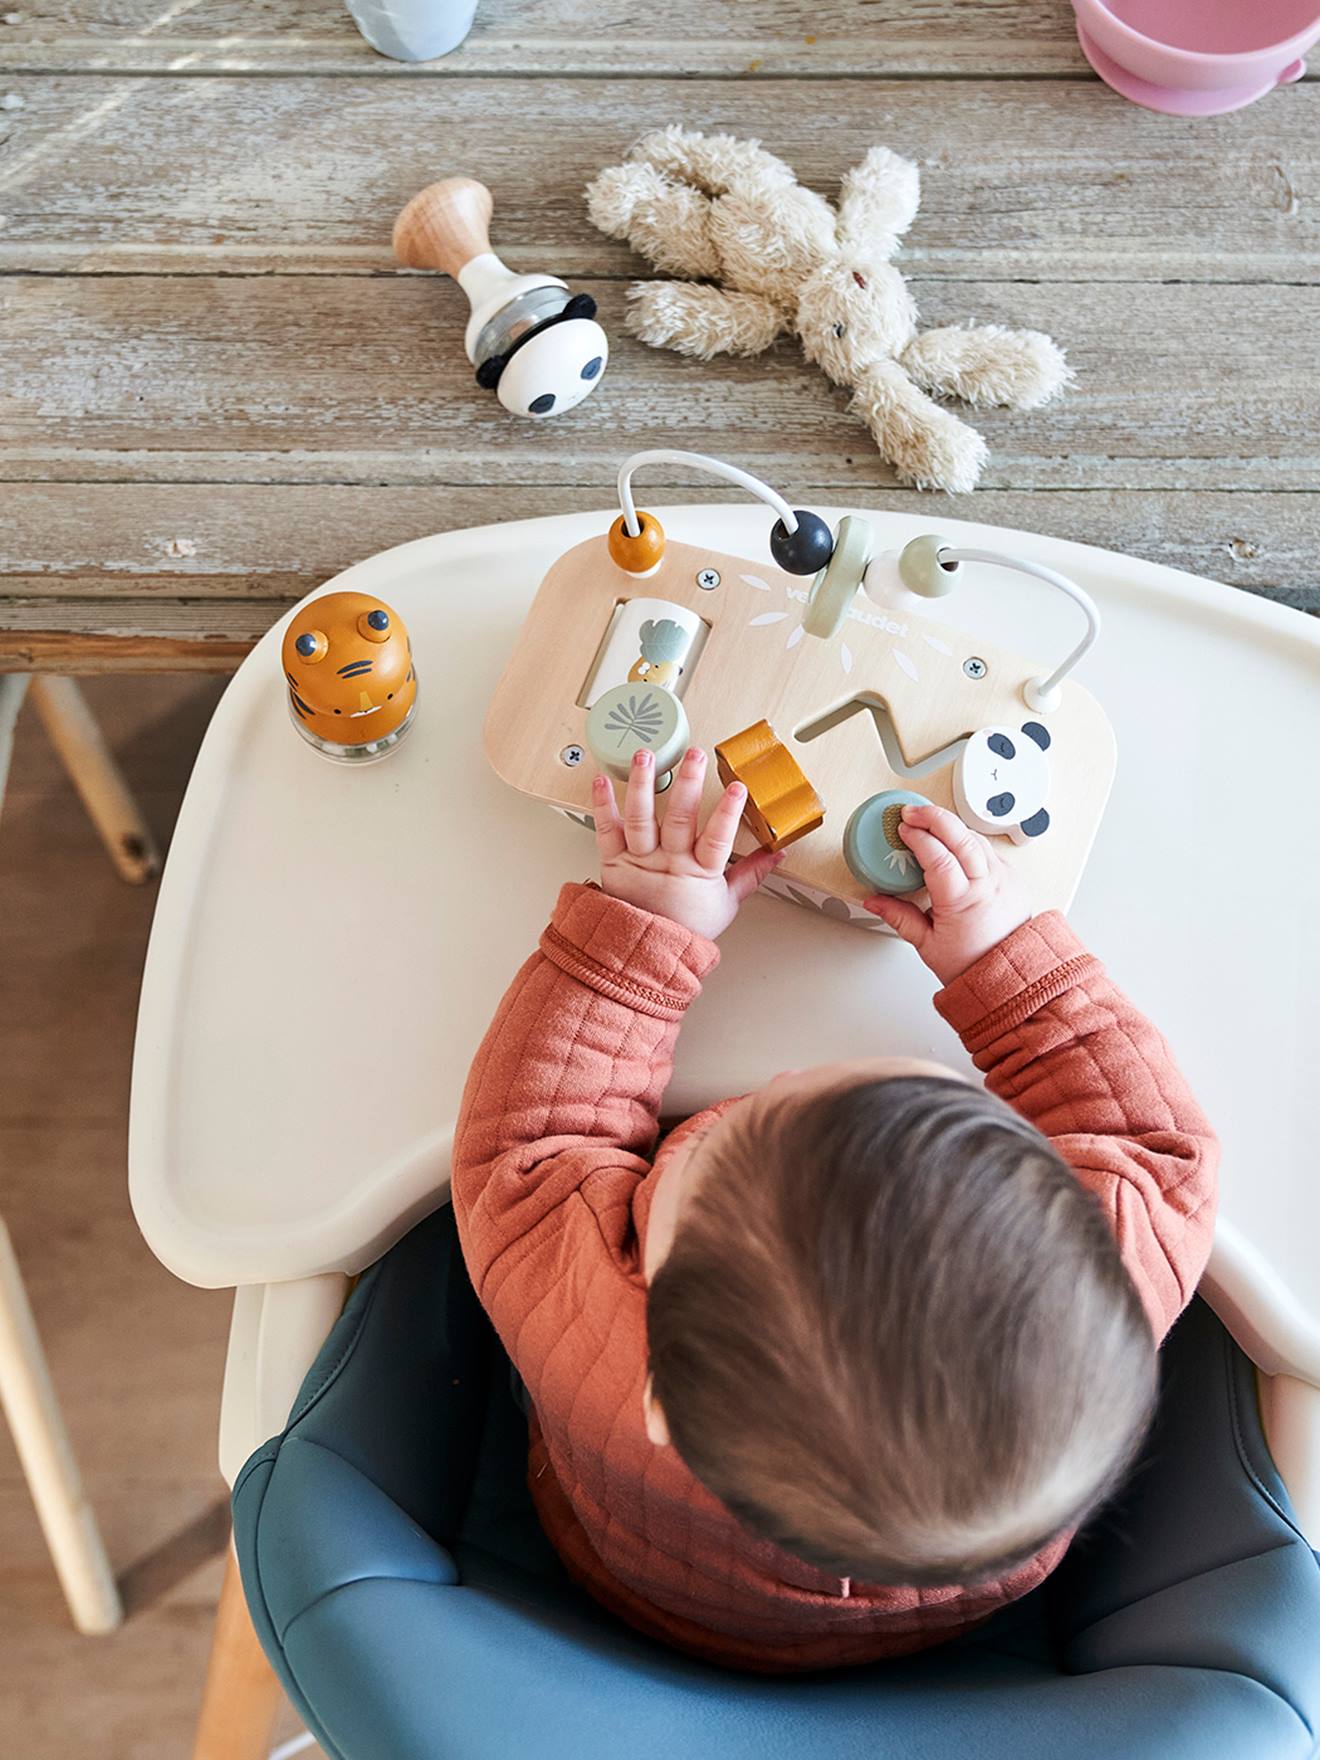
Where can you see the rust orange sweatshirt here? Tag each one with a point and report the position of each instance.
(552, 1179)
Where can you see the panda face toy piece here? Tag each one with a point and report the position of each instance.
(1001, 779)
(554, 369)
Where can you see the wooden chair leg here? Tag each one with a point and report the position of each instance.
(28, 1397)
(242, 1693)
(73, 732)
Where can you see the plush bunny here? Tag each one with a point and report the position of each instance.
(758, 254)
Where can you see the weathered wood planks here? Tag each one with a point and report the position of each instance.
(345, 379)
(215, 390)
(1056, 181)
(733, 37)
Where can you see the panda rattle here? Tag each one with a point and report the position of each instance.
(535, 343)
(1001, 779)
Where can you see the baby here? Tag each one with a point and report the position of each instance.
(841, 1367)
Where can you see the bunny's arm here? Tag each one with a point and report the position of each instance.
(713, 163)
(702, 321)
(666, 222)
(987, 364)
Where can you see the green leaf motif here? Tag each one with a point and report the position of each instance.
(662, 640)
(641, 720)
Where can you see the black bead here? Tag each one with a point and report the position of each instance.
(807, 549)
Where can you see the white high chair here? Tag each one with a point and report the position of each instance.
(330, 944)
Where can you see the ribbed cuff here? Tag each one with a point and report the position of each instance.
(644, 961)
(1029, 968)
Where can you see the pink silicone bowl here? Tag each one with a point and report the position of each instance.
(1197, 57)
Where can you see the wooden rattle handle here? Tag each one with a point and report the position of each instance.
(444, 226)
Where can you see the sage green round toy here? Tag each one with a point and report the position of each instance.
(835, 587)
(630, 718)
(875, 853)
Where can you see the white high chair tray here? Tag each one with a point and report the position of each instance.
(330, 943)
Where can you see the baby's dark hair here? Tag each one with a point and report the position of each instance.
(894, 1334)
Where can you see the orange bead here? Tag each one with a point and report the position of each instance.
(781, 804)
(637, 555)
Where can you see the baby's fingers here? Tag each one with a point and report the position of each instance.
(716, 840)
(745, 876)
(639, 827)
(908, 921)
(943, 873)
(968, 848)
(682, 804)
(610, 843)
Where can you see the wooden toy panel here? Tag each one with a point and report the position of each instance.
(757, 662)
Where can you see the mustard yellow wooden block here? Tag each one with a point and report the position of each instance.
(638, 555)
(781, 804)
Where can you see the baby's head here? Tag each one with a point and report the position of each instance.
(889, 1329)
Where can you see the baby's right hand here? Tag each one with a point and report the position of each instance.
(975, 897)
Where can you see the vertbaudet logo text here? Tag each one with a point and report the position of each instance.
(872, 619)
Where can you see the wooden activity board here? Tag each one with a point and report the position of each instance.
(886, 703)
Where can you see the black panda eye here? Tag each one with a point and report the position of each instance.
(542, 405)
(1001, 746)
(999, 804)
(592, 367)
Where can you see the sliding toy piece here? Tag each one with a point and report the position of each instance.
(349, 669)
(648, 641)
(876, 855)
(781, 804)
(630, 718)
(1001, 780)
(533, 342)
(835, 587)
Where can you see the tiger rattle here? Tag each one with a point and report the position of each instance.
(348, 664)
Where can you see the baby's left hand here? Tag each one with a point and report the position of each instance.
(672, 868)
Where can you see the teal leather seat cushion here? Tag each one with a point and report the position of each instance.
(400, 1583)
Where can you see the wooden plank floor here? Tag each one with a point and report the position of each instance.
(136, 1355)
(215, 389)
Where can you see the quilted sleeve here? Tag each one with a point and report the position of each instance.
(568, 1080)
(1057, 1040)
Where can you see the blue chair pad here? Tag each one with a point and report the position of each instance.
(402, 1587)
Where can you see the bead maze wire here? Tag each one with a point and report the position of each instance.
(699, 461)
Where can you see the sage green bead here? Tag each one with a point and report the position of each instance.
(920, 568)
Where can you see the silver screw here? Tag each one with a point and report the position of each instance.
(707, 579)
(975, 667)
(572, 756)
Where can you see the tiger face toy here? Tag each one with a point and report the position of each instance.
(352, 683)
